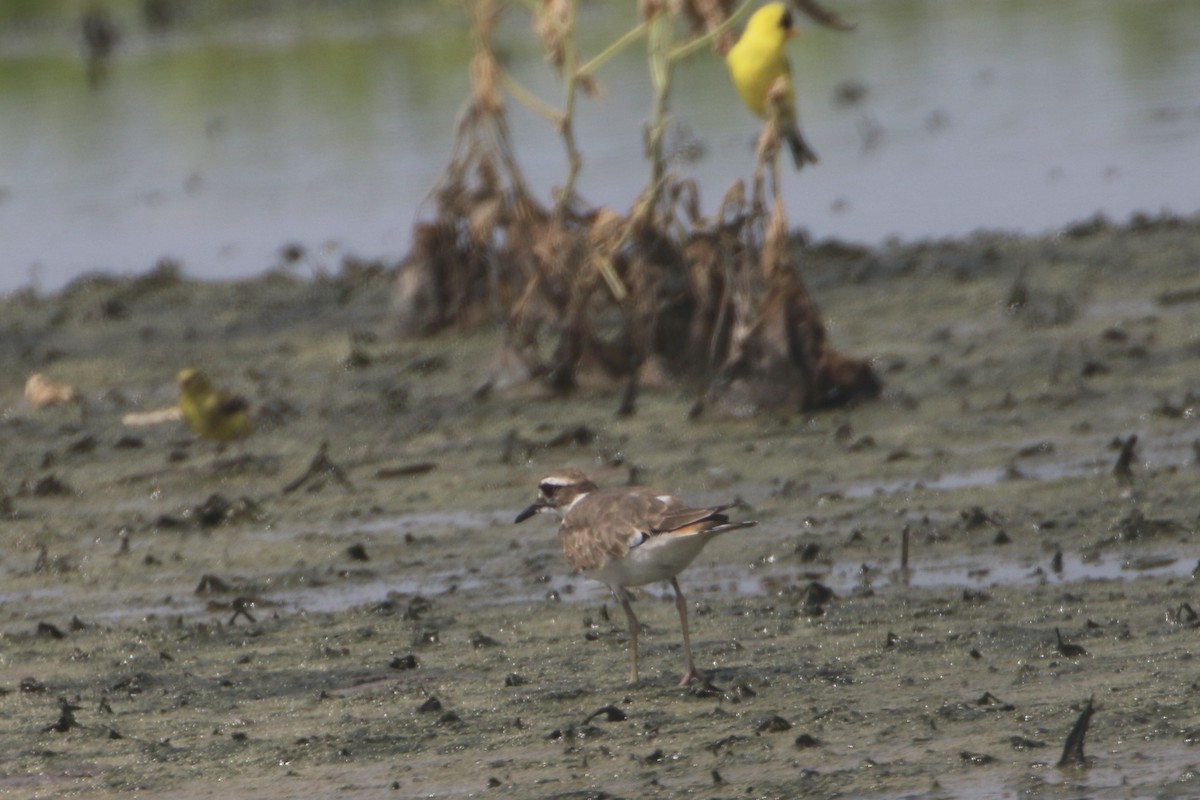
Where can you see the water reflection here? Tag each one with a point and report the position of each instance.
(220, 141)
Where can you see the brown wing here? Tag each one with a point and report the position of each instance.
(607, 522)
(602, 525)
(677, 520)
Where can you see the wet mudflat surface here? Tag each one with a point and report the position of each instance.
(401, 638)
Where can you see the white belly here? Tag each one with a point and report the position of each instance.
(659, 558)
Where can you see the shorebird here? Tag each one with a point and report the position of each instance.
(630, 536)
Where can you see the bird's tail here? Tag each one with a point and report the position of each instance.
(801, 153)
(731, 526)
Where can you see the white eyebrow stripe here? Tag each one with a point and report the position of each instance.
(666, 498)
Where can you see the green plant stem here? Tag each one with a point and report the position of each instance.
(663, 57)
(528, 98)
(620, 44)
(685, 50)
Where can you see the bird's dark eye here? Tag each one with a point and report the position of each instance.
(549, 489)
(786, 22)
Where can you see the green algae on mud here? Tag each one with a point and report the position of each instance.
(1011, 368)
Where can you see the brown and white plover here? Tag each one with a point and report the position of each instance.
(630, 536)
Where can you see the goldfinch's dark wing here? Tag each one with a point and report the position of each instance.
(226, 404)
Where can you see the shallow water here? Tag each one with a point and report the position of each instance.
(331, 591)
(218, 143)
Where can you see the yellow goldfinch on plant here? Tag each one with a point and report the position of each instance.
(757, 61)
(212, 413)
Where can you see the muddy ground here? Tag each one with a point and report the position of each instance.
(405, 639)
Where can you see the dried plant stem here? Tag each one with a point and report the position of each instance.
(592, 294)
(767, 157)
(608, 271)
(663, 55)
(575, 75)
(566, 120)
(659, 45)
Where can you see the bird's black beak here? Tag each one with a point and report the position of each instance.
(529, 512)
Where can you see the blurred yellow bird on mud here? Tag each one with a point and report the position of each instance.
(758, 61)
(212, 413)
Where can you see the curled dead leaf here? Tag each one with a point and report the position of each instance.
(43, 392)
(551, 26)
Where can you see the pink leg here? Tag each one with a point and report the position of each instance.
(634, 626)
(689, 667)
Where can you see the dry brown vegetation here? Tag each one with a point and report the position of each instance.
(595, 296)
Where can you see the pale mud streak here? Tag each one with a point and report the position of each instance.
(993, 445)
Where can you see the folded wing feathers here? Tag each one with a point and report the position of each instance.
(687, 517)
(226, 403)
(633, 511)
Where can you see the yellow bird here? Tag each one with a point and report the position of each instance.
(212, 413)
(757, 61)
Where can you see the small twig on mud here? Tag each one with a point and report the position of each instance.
(320, 465)
(1123, 469)
(66, 718)
(241, 608)
(1073, 749)
(628, 405)
(405, 470)
(1068, 649)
